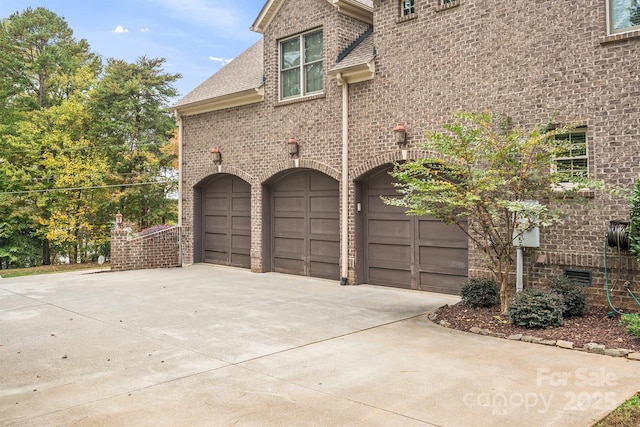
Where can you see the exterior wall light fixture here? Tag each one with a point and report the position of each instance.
(119, 220)
(400, 133)
(293, 146)
(217, 156)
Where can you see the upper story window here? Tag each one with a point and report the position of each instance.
(408, 7)
(301, 65)
(624, 15)
(573, 163)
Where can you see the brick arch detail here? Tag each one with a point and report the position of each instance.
(387, 158)
(303, 164)
(229, 170)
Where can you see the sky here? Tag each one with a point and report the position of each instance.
(196, 37)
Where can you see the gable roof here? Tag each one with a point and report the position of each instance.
(240, 82)
(361, 10)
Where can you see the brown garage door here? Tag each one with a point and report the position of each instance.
(227, 222)
(305, 225)
(408, 251)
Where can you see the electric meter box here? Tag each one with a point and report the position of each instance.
(528, 239)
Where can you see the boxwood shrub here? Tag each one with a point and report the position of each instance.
(536, 308)
(480, 293)
(573, 295)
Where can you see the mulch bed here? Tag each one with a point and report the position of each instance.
(595, 326)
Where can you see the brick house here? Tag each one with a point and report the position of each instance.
(302, 125)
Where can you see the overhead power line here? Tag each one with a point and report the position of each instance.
(94, 187)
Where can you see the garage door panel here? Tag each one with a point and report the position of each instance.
(241, 204)
(216, 204)
(395, 228)
(227, 222)
(326, 248)
(288, 226)
(241, 223)
(409, 251)
(290, 203)
(328, 270)
(377, 206)
(294, 248)
(396, 278)
(305, 224)
(387, 252)
(323, 226)
(445, 234)
(239, 260)
(440, 283)
(327, 204)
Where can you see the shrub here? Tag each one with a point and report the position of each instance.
(632, 323)
(535, 308)
(573, 296)
(480, 293)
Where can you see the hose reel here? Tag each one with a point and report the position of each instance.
(618, 235)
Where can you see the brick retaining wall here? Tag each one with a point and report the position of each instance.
(158, 250)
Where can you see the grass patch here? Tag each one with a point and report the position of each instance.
(625, 415)
(49, 269)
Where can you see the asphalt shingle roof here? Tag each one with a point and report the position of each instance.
(361, 54)
(243, 73)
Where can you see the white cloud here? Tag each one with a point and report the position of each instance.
(222, 61)
(120, 29)
(144, 30)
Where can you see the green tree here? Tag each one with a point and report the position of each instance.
(479, 174)
(40, 58)
(133, 128)
(41, 66)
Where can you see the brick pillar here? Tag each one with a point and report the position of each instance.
(119, 249)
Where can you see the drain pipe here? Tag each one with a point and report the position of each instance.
(180, 236)
(344, 212)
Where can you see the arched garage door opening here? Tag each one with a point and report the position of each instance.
(304, 224)
(407, 251)
(224, 222)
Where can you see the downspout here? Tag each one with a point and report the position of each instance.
(180, 236)
(344, 226)
(180, 129)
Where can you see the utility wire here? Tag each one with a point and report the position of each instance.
(48, 190)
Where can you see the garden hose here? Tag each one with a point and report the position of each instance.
(606, 282)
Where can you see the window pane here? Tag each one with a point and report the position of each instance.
(290, 83)
(408, 7)
(624, 13)
(314, 77)
(313, 47)
(290, 53)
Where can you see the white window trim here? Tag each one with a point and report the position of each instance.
(302, 65)
(403, 8)
(554, 165)
(610, 17)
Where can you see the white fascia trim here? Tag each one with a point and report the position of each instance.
(356, 74)
(266, 15)
(246, 97)
(354, 9)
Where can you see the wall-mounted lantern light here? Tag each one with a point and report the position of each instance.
(400, 134)
(293, 146)
(118, 220)
(217, 156)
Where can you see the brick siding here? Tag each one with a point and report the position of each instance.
(532, 60)
(158, 250)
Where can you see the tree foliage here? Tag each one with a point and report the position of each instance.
(634, 222)
(480, 173)
(68, 131)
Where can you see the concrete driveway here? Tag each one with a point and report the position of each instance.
(216, 346)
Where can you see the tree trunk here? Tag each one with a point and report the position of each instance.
(46, 252)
